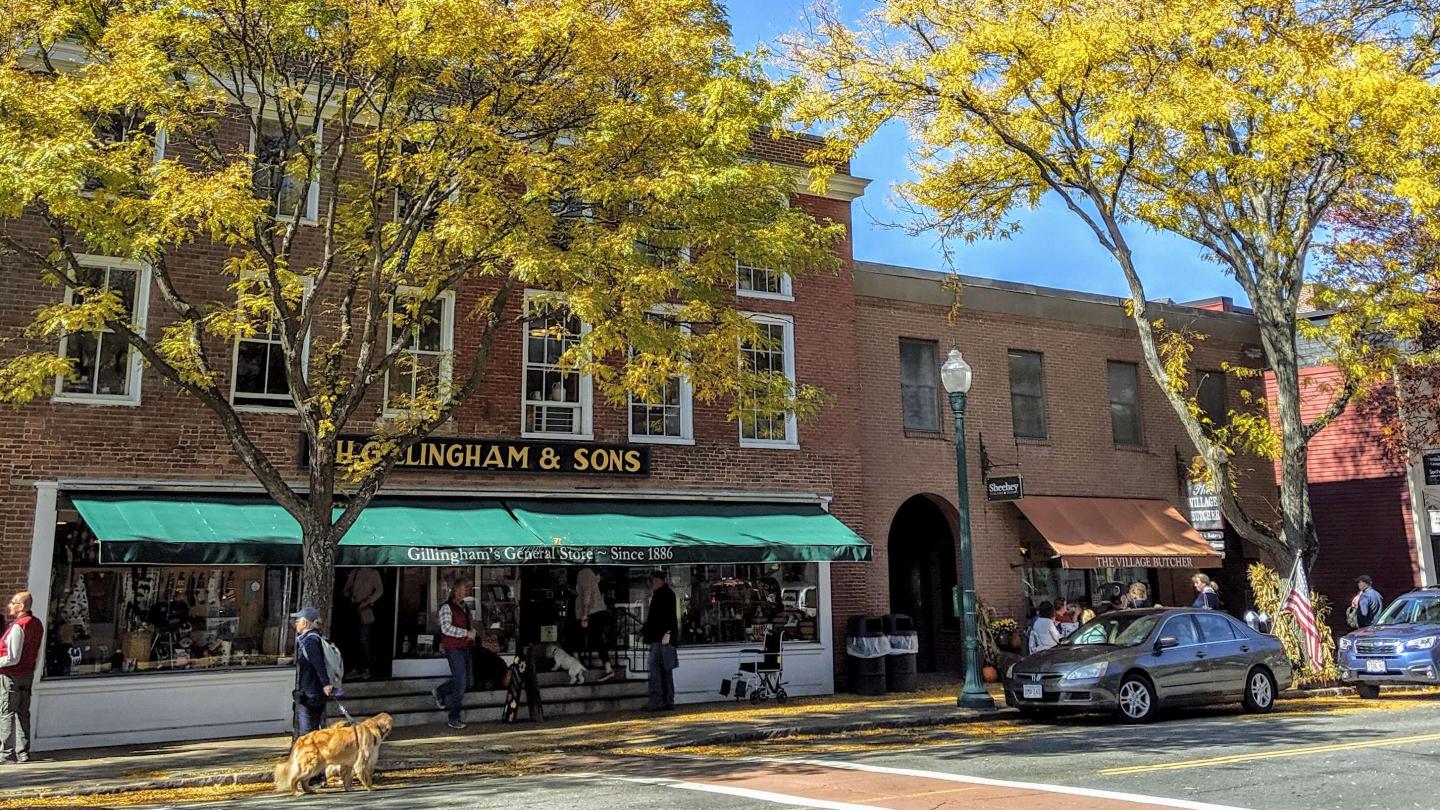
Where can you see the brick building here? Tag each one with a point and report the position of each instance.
(1042, 405)
(117, 493)
(146, 546)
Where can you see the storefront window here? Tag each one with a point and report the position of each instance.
(110, 619)
(734, 604)
(1089, 587)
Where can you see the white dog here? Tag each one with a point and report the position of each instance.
(567, 662)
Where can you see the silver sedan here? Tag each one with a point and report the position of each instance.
(1133, 662)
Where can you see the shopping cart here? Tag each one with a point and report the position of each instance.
(760, 678)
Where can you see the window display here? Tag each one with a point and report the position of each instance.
(122, 619)
(733, 604)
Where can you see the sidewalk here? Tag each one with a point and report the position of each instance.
(155, 766)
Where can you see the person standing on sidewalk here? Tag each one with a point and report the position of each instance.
(312, 679)
(1367, 602)
(661, 631)
(19, 652)
(594, 617)
(456, 636)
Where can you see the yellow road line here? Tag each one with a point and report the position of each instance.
(1292, 752)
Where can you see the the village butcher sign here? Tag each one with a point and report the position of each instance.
(492, 455)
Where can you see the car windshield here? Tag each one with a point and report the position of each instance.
(1114, 630)
(1411, 610)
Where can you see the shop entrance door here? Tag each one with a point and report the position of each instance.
(922, 576)
(366, 646)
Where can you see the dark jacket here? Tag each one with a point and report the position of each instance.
(662, 617)
(1206, 600)
(311, 677)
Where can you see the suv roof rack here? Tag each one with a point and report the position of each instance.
(1431, 588)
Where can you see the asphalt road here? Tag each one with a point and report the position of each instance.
(1338, 753)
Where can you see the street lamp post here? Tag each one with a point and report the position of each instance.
(955, 375)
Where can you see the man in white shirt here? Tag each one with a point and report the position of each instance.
(1044, 633)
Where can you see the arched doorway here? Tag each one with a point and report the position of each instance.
(922, 578)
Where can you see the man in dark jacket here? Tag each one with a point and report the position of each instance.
(1367, 602)
(312, 679)
(661, 631)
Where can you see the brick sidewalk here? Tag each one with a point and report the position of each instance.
(186, 764)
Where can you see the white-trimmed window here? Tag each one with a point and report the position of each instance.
(258, 377)
(758, 281)
(773, 353)
(556, 399)
(119, 127)
(668, 418)
(106, 368)
(269, 145)
(428, 356)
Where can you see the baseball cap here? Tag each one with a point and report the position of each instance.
(309, 614)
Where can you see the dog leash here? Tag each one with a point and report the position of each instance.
(341, 707)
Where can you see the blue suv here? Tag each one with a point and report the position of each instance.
(1400, 647)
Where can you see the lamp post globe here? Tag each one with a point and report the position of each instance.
(956, 376)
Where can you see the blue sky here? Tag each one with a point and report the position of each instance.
(1054, 248)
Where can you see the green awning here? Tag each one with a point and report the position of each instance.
(665, 532)
(249, 530)
(146, 529)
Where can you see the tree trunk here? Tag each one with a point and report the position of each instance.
(1295, 526)
(317, 578)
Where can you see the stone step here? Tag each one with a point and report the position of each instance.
(416, 686)
(550, 695)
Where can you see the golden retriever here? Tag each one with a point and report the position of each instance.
(349, 750)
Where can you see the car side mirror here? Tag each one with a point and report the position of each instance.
(1166, 643)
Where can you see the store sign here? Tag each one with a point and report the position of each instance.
(1431, 463)
(1205, 514)
(546, 555)
(1145, 562)
(1005, 487)
(488, 455)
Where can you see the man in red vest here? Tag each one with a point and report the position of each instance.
(19, 650)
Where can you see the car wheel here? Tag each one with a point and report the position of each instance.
(1136, 700)
(1259, 691)
(1367, 691)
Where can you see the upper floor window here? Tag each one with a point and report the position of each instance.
(557, 399)
(772, 353)
(271, 146)
(757, 281)
(260, 379)
(105, 367)
(1124, 379)
(666, 416)
(1027, 394)
(1210, 396)
(424, 364)
(119, 128)
(919, 395)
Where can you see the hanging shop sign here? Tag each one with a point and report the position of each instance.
(498, 455)
(1431, 463)
(1205, 514)
(1005, 487)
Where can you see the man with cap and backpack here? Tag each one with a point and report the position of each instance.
(313, 682)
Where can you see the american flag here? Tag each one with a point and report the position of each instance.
(1298, 605)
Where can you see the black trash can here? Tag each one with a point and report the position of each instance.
(866, 648)
(901, 662)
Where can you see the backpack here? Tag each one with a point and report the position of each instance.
(334, 662)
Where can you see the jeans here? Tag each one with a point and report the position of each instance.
(14, 717)
(453, 691)
(662, 676)
(308, 719)
(363, 636)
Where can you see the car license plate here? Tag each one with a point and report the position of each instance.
(1374, 665)
(1032, 691)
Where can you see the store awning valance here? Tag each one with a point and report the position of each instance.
(248, 530)
(1117, 533)
(663, 532)
(159, 529)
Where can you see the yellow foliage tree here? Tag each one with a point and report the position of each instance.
(353, 162)
(1235, 124)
